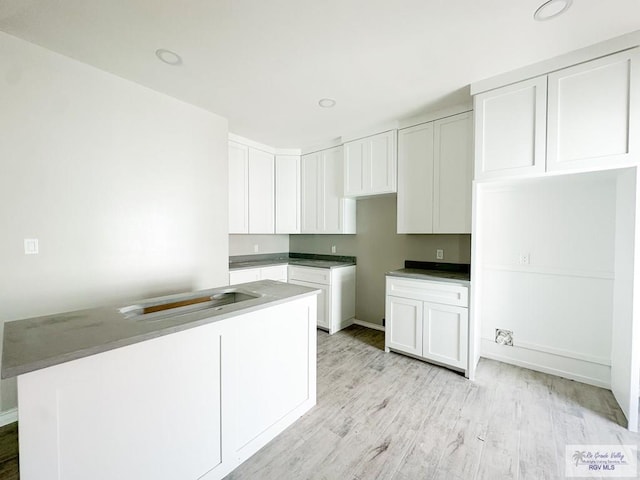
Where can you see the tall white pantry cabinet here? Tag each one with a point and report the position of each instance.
(556, 218)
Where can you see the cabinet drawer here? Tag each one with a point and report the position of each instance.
(310, 274)
(277, 272)
(437, 292)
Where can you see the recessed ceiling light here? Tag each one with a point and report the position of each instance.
(327, 102)
(551, 9)
(169, 57)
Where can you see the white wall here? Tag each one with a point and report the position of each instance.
(125, 188)
(560, 305)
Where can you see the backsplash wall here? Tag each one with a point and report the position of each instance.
(379, 249)
(244, 244)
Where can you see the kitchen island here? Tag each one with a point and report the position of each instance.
(179, 387)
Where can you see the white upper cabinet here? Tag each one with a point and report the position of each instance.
(510, 130)
(452, 174)
(590, 120)
(238, 188)
(287, 192)
(593, 110)
(311, 192)
(323, 206)
(434, 176)
(251, 190)
(415, 179)
(370, 165)
(261, 192)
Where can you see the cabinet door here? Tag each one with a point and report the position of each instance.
(324, 301)
(261, 192)
(593, 114)
(510, 130)
(370, 165)
(311, 193)
(453, 173)
(276, 272)
(238, 188)
(287, 190)
(354, 167)
(332, 186)
(382, 163)
(415, 179)
(404, 325)
(244, 275)
(445, 334)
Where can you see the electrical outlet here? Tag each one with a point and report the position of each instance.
(504, 337)
(256, 248)
(524, 259)
(30, 246)
(439, 254)
(333, 249)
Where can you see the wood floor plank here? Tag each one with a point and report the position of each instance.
(8, 442)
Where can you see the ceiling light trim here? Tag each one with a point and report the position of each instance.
(551, 9)
(327, 102)
(169, 57)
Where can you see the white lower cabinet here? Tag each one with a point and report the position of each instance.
(245, 275)
(337, 300)
(429, 320)
(189, 405)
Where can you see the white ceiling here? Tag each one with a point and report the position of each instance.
(264, 64)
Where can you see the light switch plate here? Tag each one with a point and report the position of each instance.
(30, 246)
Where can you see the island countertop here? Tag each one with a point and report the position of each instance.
(35, 343)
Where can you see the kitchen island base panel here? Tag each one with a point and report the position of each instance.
(189, 405)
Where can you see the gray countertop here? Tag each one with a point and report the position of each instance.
(460, 278)
(41, 342)
(303, 262)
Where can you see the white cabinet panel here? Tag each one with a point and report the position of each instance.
(124, 402)
(311, 192)
(445, 334)
(324, 301)
(244, 276)
(332, 191)
(452, 174)
(324, 208)
(275, 272)
(404, 325)
(238, 188)
(354, 169)
(370, 165)
(287, 191)
(591, 113)
(415, 179)
(261, 192)
(510, 130)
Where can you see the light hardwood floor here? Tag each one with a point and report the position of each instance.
(386, 416)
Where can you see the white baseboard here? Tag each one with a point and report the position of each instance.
(8, 416)
(571, 368)
(373, 326)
